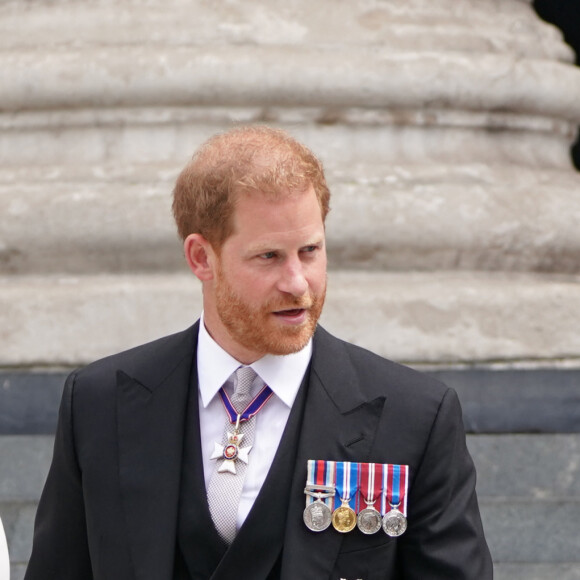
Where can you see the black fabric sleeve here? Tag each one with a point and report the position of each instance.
(445, 539)
(60, 545)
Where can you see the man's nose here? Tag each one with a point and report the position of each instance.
(293, 280)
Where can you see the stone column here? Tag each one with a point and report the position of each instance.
(444, 126)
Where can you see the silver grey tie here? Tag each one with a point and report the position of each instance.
(225, 488)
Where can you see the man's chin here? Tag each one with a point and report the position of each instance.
(287, 339)
(287, 347)
(292, 339)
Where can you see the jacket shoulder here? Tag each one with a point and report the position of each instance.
(376, 375)
(147, 362)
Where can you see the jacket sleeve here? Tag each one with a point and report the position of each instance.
(60, 545)
(445, 539)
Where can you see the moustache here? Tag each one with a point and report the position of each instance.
(294, 303)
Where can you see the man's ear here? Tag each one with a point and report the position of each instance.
(200, 256)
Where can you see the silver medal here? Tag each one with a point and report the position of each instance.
(369, 521)
(317, 516)
(394, 523)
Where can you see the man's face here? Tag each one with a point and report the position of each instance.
(270, 277)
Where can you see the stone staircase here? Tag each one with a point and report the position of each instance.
(528, 488)
(444, 126)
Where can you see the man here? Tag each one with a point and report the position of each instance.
(189, 458)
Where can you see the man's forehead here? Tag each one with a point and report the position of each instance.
(270, 192)
(306, 224)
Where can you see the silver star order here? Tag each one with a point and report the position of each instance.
(230, 464)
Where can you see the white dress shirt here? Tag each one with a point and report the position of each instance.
(4, 560)
(283, 374)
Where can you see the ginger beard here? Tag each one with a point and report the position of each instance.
(257, 328)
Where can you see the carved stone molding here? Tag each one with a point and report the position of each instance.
(444, 127)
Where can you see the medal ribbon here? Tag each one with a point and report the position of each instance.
(346, 483)
(252, 409)
(320, 474)
(395, 479)
(371, 484)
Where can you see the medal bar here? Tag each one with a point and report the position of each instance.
(348, 495)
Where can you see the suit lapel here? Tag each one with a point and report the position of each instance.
(339, 424)
(151, 409)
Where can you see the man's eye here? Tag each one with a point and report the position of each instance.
(268, 255)
(310, 248)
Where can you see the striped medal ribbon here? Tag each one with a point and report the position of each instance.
(369, 519)
(320, 491)
(396, 480)
(344, 516)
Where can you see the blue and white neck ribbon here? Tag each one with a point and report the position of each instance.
(251, 410)
(346, 484)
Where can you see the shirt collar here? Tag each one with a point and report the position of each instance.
(283, 374)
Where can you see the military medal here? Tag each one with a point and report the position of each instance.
(344, 517)
(369, 519)
(231, 451)
(394, 522)
(395, 490)
(320, 491)
(317, 515)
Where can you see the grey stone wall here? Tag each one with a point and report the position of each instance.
(444, 126)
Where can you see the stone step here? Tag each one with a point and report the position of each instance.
(561, 571)
(532, 530)
(501, 571)
(536, 467)
(18, 522)
(409, 317)
(383, 218)
(24, 463)
(507, 466)
(511, 468)
(529, 490)
(17, 571)
(528, 485)
(494, 399)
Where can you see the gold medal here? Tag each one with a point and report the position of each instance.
(344, 519)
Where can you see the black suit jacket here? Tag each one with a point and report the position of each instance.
(110, 506)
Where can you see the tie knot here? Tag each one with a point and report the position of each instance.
(244, 378)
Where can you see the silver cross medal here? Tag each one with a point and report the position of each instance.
(231, 452)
